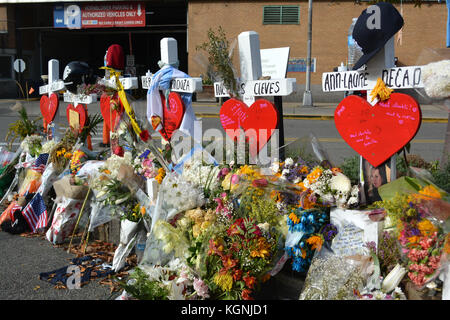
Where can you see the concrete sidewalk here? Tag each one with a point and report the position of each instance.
(291, 110)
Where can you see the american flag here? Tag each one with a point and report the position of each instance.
(13, 207)
(40, 163)
(36, 213)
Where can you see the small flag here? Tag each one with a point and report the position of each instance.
(36, 213)
(40, 163)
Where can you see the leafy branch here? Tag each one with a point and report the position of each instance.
(219, 57)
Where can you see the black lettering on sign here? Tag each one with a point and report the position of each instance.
(384, 75)
(326, 83)
(406, 78)
(417, 75)
(220, 89)
(337, 80)
(181, 84)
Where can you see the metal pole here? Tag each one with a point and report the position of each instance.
(307, 97)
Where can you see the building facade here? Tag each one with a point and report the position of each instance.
(31, 30)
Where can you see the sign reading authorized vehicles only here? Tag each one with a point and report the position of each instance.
(99, 15)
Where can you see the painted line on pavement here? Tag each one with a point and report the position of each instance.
(314, 117)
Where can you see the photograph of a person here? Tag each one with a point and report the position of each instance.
(374, 177)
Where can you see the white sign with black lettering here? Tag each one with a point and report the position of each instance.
(79, 98)
(127, 83)
(260, 88)
(394, 78)
(185, 85)
(55, 86)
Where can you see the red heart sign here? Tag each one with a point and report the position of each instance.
(82, 114)
(111, 108)
(261, 117)
(173, 116)
(377, 132)
(49, 106)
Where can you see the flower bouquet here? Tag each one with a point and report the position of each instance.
(421, 230)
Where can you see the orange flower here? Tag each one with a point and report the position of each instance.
(237, 274)
(336, 170)
(447, 244)
(246, 294)
(265, 277)
(263, 249)
(316, 242)
(414, 240)
(294, 218)
(314, 175)
(228, 262)
(250, 281)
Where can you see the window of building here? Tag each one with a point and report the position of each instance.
(3, 19)
(6, 65)
(281, 15)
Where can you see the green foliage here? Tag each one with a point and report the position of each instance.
(143, 288)
(91, 127)
(22, 127)
(218, 49)
(350, 167)
(441, 176)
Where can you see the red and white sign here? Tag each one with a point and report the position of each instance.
(113, 14)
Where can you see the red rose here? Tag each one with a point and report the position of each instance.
(118, 151)
(144, 135)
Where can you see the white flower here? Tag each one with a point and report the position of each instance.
(264, 226)
(340, 183)
(436, 79)
(393, 279)
(289, 162)
(275, 167)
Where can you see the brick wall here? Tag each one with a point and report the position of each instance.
(425, 27)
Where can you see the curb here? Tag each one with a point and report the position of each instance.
(314, 117)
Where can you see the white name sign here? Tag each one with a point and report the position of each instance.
(80, 98)
(262, 88)
(394, 78)
(186, 85)
(127, 83)
(52, 87)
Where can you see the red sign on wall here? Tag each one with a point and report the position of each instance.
(112, 14)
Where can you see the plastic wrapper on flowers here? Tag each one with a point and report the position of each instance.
(419, 221)
(64, 219)
(333, 277)
(305, 194)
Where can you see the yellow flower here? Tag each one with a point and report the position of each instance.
(263, 249)
(426, 227)
(314, 175)
(224, 281)
(247, 170)
(143, 210)
(161, 174)
(294, 218)
(316, 242)
(431, 192)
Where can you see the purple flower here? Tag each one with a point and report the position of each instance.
(223, 172)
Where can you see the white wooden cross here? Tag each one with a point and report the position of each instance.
(54, 84)
(382, 65)
(169, 55)
(249, 84)
(251, 71)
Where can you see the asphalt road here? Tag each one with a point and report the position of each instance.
(428, 142)
(23, 259)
